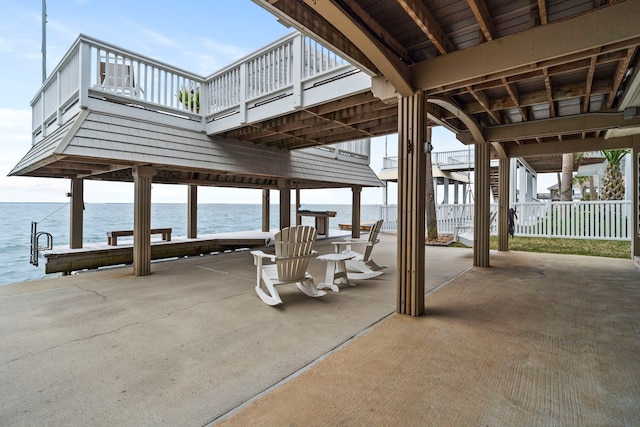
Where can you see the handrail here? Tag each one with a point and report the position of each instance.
(455, 157)
(35, 243)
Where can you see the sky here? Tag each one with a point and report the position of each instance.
(197, 35)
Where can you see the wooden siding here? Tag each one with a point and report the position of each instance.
(122, 142)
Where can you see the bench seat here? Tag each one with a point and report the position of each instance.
(112, 236)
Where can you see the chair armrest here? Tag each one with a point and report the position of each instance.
(347, 244)
(259, 256)
(351, 242)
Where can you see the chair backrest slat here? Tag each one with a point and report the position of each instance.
(373, 239)
(293, 244)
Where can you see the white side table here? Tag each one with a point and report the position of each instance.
(336, 271)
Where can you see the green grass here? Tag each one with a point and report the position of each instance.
(602, 248)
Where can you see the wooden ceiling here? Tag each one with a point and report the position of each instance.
(536, 77)
(346, 119)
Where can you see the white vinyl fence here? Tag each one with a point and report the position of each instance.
(610, 220)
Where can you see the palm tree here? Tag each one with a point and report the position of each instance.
(566, 185)
(430, 202)
(579, 157)
(582, 182)
(612, 182)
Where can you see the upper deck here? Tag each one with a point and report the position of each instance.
(291, 74)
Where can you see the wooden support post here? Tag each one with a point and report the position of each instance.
(192, 212)
(412, 132)
(635, 181)
(356, 208)
(142, 177)
(285, 203)
(266, 212)
(76, 214)
(298, 204)
(503, 204)
(481, 205)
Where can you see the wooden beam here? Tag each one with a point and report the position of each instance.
(609, 53)
(542, 10)
(569, 146)
(538, 97)
(549, 90)
(421, 16)
(589, 84)
(481, 12)
(512, 90)
(529, 48)
(558, 126)
(486, 105)
(620, 74)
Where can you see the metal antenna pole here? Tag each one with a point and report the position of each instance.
(44, 40)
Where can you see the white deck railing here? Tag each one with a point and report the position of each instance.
(602, 220)
(295, 69)
(460, 158)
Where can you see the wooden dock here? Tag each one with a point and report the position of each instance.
(62, 259)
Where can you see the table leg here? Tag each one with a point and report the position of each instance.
(340, 274)
(330, 277)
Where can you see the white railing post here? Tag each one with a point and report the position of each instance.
(298, 64)
(85, 74)
(58, 98)
(205, 101)
(244, 86)
(43, 114)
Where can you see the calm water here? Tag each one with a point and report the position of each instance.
(15, 223)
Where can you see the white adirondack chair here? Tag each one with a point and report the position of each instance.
(293, 250)
(362, 263)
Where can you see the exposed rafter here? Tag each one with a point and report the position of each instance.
(384, 36)
(427, 23)
(486, 105)
(589, 83)
(620, 74)
(483, 16)
(515, 98)
(547, 85)
(542, 10)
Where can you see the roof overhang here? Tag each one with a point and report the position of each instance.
(100, 146)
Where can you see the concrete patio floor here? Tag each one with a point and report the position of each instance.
(536, 339)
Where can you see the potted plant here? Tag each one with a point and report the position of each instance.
(190, 98)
